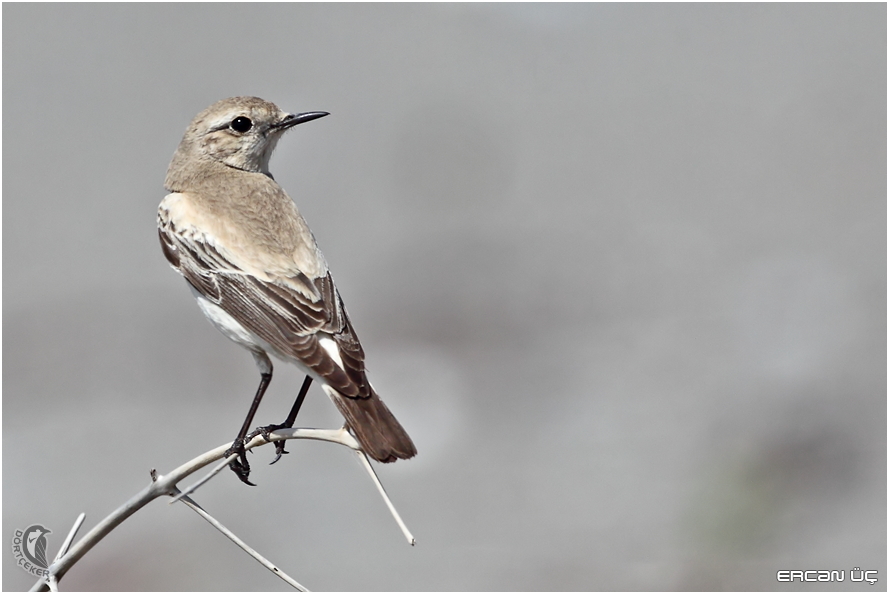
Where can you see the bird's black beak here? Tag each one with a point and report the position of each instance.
(292, 119)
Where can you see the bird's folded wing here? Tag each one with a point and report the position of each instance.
(287, 312)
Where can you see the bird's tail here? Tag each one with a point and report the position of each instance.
(378, 431)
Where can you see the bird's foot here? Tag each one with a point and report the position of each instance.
(266, 431)
(239, 465)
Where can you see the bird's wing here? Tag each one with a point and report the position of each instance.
(294, 313)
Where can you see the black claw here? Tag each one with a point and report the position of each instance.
(239, 465)
(279, 451)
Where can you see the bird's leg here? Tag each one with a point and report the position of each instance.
(288, 423)
(239, 465)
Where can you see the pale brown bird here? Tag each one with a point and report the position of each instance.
(257, 273)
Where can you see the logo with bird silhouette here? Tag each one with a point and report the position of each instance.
(29, 548)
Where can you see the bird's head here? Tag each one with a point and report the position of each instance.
(240, 132)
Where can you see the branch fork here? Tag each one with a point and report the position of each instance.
(167, 485)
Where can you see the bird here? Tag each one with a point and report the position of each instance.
(256, 271)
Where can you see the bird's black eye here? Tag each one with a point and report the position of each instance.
(241, 124)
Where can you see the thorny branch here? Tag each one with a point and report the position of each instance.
(167, 485)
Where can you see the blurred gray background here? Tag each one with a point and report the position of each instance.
(619, 269)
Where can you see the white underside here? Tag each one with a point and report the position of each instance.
(235, 332)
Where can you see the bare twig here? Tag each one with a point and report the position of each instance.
(52, 583)
(373, 475)
(216, 470)
(166, 485)
(71, 534)
(244, 546)
(340, 436)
